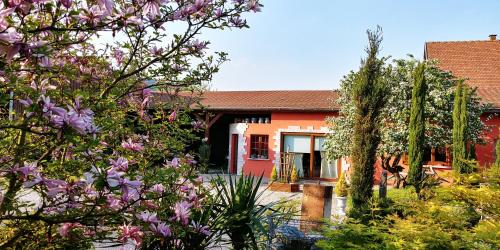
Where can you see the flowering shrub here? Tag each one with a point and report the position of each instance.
(84, 157)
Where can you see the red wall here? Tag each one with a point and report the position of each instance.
(486, 153)
(279, 120)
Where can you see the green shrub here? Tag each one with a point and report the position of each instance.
(341, 188)
(464, 215)
(294, 176)
(274, 174)
(353, 235)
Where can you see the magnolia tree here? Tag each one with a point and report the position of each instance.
(83, 158)
(396, 113)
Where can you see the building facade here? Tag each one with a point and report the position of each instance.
(252, 131)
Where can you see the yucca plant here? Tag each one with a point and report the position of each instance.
(242, 217)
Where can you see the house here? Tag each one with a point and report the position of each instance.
(478, 62)
(251, 130)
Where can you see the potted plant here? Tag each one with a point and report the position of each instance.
(341, 190)
(274, 174)
(294, 177)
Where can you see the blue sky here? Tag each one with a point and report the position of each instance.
(311, 44)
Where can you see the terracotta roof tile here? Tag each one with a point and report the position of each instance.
(272, 100)
(476, 61)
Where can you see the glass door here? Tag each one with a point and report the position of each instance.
(310, 156)
(322, 167)
(300, 145)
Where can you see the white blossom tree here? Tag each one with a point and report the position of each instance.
(396, 113)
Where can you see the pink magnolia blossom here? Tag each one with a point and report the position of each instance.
(197, 125)
(130, 194)
(130, 232)
(45, 62)
(43, 86)
(57, 121)
(157, 188)
(65, 228)
(156, 51)
(130, 145)
(200, 228)
(237, 22)
(3, 14)
(66, 3)
(27, 169)
(92, 16)
(113, 202)
(219, 12)
(147, 217)
(10, 36)
(118, 55)
(175, 162)
(106, 5)
(134, 21)
(26, 102)
(182, 211)
(152, 9)
(172, 116)
(131, 184)
(49, 108)
(161, 229)
(114, 178)
(121, 164)
(190, 159)
(198, 46)
(254, 6)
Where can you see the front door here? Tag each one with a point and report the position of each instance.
(233, 168)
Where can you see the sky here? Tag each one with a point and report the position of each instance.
(312, 44)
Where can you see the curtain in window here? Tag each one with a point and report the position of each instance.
(328, 167)
(299, 165)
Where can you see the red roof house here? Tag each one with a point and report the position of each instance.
(478, 62)
(251, 130)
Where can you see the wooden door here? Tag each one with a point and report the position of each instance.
(233, 168)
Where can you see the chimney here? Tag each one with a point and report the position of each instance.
(493, 37)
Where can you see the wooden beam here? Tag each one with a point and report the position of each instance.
(209, 122)
(213, 120)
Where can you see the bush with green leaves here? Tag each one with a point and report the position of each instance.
(242, 217)
(465, 215)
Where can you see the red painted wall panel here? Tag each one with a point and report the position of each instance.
(486, 153)
(279, 120)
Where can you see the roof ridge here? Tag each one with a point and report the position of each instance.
(466, 41)
(272, 90)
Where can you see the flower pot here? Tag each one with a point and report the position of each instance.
(341, 204)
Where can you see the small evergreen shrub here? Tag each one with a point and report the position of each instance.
(294, 176)
(341, 189)
(274, 174)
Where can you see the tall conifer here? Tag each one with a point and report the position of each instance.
(417, 128)
(368, 95)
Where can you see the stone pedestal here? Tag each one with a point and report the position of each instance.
(316, 203)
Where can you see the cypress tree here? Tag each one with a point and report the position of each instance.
(368, 95)
(460, 128)
(417, 128)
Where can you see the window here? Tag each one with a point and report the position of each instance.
(436, 156)
(259, 146)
